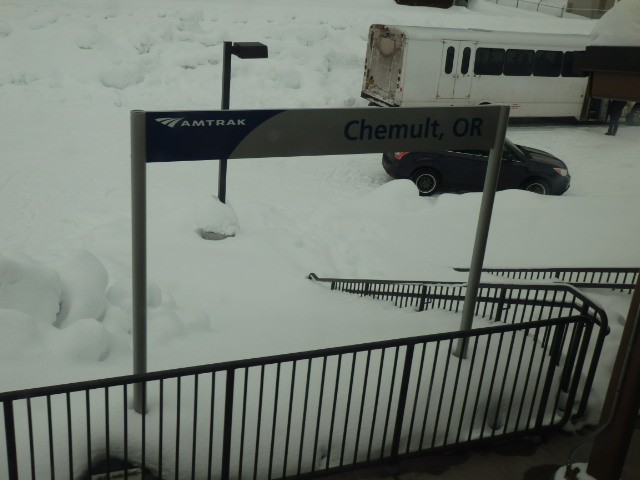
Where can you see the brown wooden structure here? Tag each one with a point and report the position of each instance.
(614, 71)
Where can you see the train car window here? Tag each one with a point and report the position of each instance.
(448, 64)
(567, 66)
(518, 62)
(489, 61)
(466, 56)
(547, 63)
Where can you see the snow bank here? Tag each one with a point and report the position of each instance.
(620, 26)
(29, 287)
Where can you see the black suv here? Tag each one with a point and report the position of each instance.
(464, 170)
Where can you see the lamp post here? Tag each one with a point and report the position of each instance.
(240, 50)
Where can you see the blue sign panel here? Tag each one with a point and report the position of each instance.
(177, 136)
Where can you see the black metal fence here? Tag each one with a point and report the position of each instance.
(312, 413)
(621, 278)
(505, 303)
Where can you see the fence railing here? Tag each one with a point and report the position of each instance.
(306, 414)
(506, 303)
(622, 278)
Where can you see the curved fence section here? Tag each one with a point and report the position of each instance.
(505, 303)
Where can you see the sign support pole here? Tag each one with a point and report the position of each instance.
(482, 230)
(139, 252)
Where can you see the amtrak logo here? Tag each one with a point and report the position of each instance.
(181, 122)
(168, 121)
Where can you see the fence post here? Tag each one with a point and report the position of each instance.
(555, 352)
(503, 296)
(402, 401)
(228, 418)
(423, 298)
(10, 434)
(570, 370)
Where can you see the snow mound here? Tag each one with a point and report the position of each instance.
(19, 333)
(217, 217)
(29, 287)
(84, 283)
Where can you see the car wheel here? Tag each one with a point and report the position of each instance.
(633, 117)
(537, 185)
(427, 181)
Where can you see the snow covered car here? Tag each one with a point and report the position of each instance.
(464, 170)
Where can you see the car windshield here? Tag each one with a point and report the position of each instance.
(515, 147)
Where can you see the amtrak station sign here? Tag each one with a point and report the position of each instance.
(229, 134)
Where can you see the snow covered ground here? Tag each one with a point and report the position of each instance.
(70, 72)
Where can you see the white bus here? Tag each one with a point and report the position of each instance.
(530, 72)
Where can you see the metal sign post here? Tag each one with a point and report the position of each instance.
(139, 252)
(482, 231)
(207, 135)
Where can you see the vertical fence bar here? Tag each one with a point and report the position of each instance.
(428, 400)
(160, 427)
(143, 439)
(304, 416)
(178, 410)
(480, 383)
(348, 408)
(32, 457)
(516, 376)
(383, 352)
(402, 400)
(443, 389)
(554, 356)
(364, 396)
(10, 435)
(453, 402)
(463, 410)
(70, 435)
(416, 396)
(320, 397)
(597, 350)
(258, 423)
(50, 427)
(243, 420)
(106, 428)
(275, 419)
(388, 416)
(492, 383)
(333, 409)
(88, 417)
(228, 419)
(195, 427)
(292, 388)
(212, 424)
(126, 431)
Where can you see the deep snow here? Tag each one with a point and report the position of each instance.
(71, 71)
